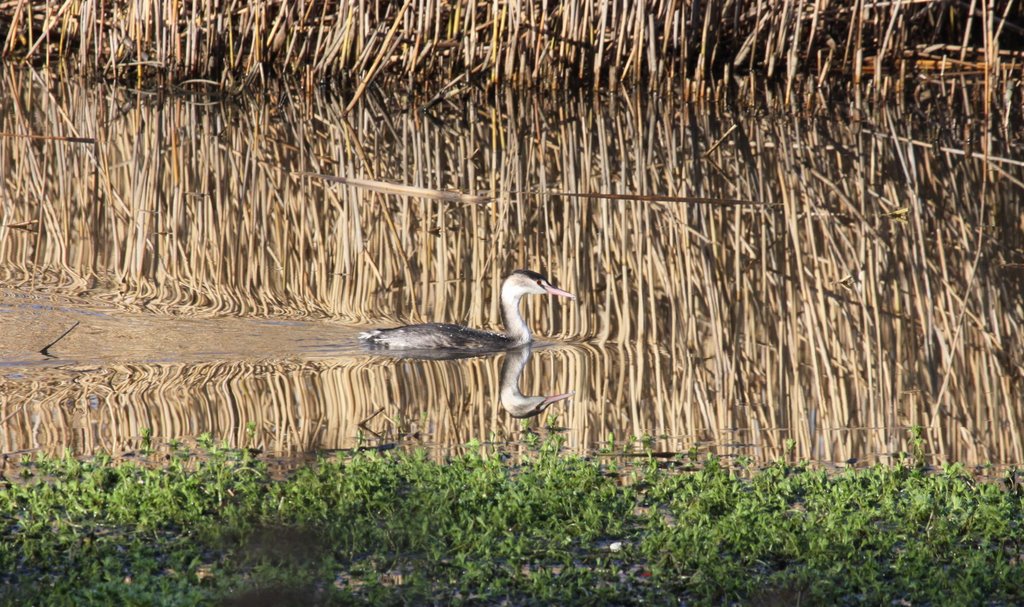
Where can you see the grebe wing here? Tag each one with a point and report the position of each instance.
(442, 336)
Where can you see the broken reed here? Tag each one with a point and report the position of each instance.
(873, 287)
(545, 44)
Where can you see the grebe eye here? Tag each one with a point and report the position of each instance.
(540, 282)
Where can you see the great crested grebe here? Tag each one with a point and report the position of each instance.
(443, 336)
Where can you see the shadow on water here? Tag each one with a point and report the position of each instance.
(836, 277)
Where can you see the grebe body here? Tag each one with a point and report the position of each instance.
(450, 337)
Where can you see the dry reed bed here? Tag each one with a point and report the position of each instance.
(870, 284)
(449, 44)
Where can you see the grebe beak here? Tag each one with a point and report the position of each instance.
(553, 290)
(554, 398)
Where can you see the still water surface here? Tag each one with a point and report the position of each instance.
(848, 272)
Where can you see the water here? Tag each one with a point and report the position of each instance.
(833, 277)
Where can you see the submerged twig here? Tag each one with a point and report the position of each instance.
(10, 415)
(362, 424)
(46, 351)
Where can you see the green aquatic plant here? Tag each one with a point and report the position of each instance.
(147, 441)
(546, 527)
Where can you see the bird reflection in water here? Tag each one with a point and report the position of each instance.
(516, 403)
(512, 399)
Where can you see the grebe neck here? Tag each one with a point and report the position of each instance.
(515, 326)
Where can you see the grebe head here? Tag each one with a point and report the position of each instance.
(523, 282)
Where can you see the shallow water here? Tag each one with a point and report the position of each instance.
(847, 273)
(110, 336)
